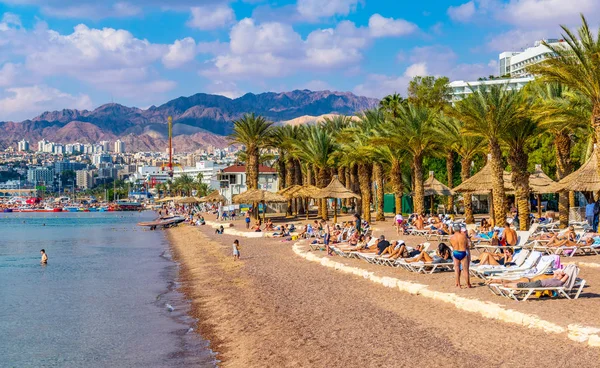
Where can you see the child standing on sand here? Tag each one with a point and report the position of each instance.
(236, 249)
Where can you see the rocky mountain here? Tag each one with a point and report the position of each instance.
(199, 120)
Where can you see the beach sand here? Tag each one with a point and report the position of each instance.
(275, 309)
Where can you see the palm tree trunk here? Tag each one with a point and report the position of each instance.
(450, 171)
(364, 179)
(341, 174)
(520, 179)
(564, 166)
(322, 183)
(497, 183)
(298, 181)
(354, 184)
(252, 176)
(378, 174)
(465, 173)
(397, 184)
(281, 171)
(289, 181)
(418, 186)
(310, 178)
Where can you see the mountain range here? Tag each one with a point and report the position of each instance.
(198, 121)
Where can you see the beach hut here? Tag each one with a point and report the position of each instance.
(540, 183)
(335, 190)
(433, 187)
(259, 195)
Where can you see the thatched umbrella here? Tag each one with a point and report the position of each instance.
(586, 179)
(187, 200)
(215, 196)
(540, 184)
(432, 187)
(481, 183)
(166, 199)
(259, 195)
(336, 190)
(289, 191)
(306, 192)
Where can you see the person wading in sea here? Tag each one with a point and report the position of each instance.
(460, 244)
(44, 257)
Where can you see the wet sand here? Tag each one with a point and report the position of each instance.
(275, 309)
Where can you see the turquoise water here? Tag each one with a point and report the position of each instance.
(106, 298)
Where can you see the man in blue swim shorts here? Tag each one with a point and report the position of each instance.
(460, 244)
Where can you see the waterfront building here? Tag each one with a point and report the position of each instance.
(515, 63)
(40, 175)
(460, 89)
(85, 179)
(232, 180)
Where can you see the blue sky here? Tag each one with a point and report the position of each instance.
(58, 54)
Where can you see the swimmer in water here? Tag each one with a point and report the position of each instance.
(44, 257)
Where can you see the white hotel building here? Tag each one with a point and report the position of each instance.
(512, 64)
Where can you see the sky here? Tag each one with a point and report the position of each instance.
(57, 54)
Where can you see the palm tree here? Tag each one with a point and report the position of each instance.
(184, 184)
(390, 105)
(557, 109)
(316, 149)
(465, 146)
(254, 132)
(489, 112)
(576, 67)
(284, 138)
(517, 137)
(415, 130)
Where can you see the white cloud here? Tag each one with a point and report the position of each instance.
(315, 9)
(23, 102)
(211, 17)
(9, 73)
(434, 60)
(381, 27)
(274, 49)
(544, 13)
(462, 13)
(180, 52)
(316, 85)
(224, 88)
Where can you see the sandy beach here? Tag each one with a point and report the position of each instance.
(275, 309)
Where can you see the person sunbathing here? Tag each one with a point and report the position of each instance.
(558, 278)
(354, 238)
(256, 227)
(442, 255)
(495, 259)
(369, 246)
(401, 251)
(283, 232)
(269, 225)
(569, 239)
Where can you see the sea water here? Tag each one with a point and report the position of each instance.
(106, 298)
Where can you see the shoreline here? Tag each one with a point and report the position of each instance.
(273, 308)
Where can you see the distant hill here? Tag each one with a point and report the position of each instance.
(199, 120)
(308, 120)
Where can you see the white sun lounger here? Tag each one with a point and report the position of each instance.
(571, 290)
(492, 271)
(482, 270)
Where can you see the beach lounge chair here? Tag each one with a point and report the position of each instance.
(571, 290)
(542, 267)
(427, 267)
(482, 271)
(494, 271)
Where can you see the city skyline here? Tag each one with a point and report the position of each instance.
(81, 56)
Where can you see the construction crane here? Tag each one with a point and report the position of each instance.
(170, 164)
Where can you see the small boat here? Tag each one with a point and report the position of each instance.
(7, 210)
(71, 208)
(163, 223)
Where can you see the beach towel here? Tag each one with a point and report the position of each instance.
(572, 271)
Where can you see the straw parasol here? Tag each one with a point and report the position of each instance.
(289, 191)
(259, 195)
(215, 196)
(336, 190)
(540, 184)
(481, 182)
(188, 200)
(166, 199)
(432, 187)
(586, 179)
